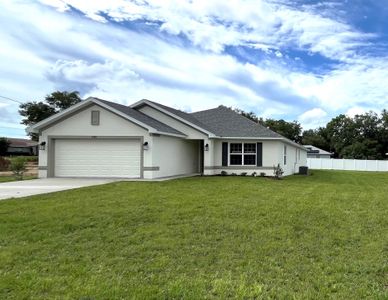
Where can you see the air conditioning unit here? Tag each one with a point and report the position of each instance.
(303, 170)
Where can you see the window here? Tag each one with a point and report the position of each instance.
(235, 148)
(242, 154)
(95, 117)
(285, 155)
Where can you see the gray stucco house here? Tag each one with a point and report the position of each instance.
(98, 138)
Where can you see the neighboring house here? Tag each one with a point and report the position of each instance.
(315, 152)
(22, 147)
(97, 138)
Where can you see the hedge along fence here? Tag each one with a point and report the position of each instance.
(348, 164)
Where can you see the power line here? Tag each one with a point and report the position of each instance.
(11, 99)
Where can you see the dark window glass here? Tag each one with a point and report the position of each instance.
(236, 159)
(235, 148)
(249, 159)
(249, 148)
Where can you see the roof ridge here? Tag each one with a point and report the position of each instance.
(189, 117)
(146, 118)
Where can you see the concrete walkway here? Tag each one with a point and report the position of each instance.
(17, 189)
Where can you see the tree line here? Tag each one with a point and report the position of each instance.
(363, 136)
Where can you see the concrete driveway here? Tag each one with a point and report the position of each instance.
(17, 189)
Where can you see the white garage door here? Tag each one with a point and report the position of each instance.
(97, 158)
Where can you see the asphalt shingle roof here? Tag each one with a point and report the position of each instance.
(315, 150)
(186, 116)
(224, 122)
(159, 126)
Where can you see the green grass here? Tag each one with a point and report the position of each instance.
(322, 236)
(12, 178)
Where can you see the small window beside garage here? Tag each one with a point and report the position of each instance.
(95, 117)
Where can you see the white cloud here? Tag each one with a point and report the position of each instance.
(352, 112)
(58, 50)
(313, 118)
(214, 24)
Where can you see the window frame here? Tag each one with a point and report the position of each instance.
(97, 123)
(242, 154)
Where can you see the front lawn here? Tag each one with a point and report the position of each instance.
(322, 236)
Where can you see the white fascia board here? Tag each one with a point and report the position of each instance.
(263, 138)
(211, 135)
(35, 128)
(169, 134)
(107, 107)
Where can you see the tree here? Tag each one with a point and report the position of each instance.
(317, 138)
(341, 131)
(250, 115)
(291, 130)
(34, 111)
(4, 144)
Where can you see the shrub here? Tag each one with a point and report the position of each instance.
(233, 174)
(278, 171)
(224, 173)
(18, 167)
(28, 158)
(262, 174)
(254, 174)
(4, 144)
(243, 174)
(4, 164)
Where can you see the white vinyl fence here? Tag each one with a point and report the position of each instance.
(347, 164)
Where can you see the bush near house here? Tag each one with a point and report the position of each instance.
(18, 167)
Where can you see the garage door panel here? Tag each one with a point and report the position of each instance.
(97, 158)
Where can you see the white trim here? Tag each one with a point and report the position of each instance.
(35, 128)
(157, 107)
(242, 154)
(125, 116)
(263, 139)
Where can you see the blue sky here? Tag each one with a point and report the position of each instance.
(297, 60)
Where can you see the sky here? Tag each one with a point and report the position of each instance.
(301, 60)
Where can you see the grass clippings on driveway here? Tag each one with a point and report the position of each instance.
(322, 236)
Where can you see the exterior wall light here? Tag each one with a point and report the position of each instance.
(42, 146)
(207, 147)
(145, 146)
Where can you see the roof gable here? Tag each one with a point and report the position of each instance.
(159, 126)
(152, 125)
(179, 115)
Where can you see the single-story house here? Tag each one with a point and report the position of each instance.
(98, 138)
(22, 147)
(315, 152)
